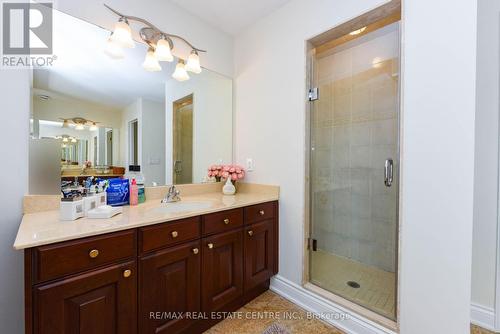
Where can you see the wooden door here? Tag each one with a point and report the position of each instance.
(169, 284)
(259, 253)
(101, 301)
(222, 271)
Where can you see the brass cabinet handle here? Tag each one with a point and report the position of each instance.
(250, 233)
(195, 251)
(93, 253)
(261, 212)
(210, 245)
(174, 234)
(127, 273)
(226, 221)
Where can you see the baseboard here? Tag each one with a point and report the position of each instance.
(354, 324)
(483, 317)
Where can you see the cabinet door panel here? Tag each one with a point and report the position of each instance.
(101, 301)
(170, 283)
(222, 273)
(259, 253)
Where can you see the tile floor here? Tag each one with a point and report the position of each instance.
(377, 287)
(286, 314)
(271, 302)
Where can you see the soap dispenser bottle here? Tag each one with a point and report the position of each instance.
(229, 188)
(134, 193)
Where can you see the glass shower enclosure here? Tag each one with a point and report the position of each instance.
(354, 160)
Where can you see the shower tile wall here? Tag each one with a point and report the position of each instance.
(354, 132)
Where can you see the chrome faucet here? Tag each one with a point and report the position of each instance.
(172, 195)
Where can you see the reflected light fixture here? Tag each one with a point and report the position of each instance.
(73, 140)
(93, 127)
(357, 32)
(113, 49)
(65, 139)
(79, 127)
(193, 63)
(180, 73)
(122, 35)
(150, 62)
(160, 46)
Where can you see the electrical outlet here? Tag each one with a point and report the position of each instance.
(250, 165)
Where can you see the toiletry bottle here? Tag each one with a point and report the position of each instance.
(134, 193)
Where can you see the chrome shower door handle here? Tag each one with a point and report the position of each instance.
(388, 172)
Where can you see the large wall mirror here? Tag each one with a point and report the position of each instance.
(93, 115)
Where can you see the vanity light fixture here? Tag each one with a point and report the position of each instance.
(193, 63)
(65, 139)
(160, 46)
(93, 127)
(79, 127)
(357, 32)
(122, 35)
(180, 73)
(162, 51)
(73, 140)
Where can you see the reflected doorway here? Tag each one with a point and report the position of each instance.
(183, 140)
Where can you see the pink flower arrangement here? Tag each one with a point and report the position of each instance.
(235, 172)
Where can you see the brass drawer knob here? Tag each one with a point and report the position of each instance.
(93, 253)
(127, 273)
(210, 245)
(226, 221)
(174, 234)
(261, 212)
(250, 233)
(195, 251)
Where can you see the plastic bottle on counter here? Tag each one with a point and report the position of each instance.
(134, 193)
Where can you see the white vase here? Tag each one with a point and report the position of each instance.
(229, 188)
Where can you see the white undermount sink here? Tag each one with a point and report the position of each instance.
(179, 207)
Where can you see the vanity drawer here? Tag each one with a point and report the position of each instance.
(222, 221)
(70, 257)
(259, 212)
(171, 233)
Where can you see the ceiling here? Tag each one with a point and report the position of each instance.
(231, 16)
(82, 69)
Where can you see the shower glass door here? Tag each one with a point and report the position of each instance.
(354, 162)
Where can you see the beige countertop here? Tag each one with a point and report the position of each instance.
(42, 228)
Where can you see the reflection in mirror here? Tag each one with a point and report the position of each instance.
(107, 114)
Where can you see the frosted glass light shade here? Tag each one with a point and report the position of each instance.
(73, 140)
(193, 63)
(79, 127)
(163, 52)
(93, 127)
(150, 62)
(65, 139)
(123, 35)
(180, 73)
(113, 49)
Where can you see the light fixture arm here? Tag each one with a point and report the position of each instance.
(150, 25)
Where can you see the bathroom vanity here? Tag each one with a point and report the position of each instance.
(154, 277)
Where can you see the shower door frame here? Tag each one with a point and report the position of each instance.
(308, 225)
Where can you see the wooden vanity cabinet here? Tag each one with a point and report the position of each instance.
(169, 282)
(98, 301)
(140, 280)
(222, 273)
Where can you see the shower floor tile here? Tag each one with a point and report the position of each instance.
(376, 287)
